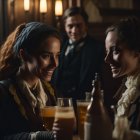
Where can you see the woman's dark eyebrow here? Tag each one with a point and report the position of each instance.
(43, 52)
(116, 44)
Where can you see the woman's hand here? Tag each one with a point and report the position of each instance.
(57, 130)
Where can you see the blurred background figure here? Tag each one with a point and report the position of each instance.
(81, 56)
(123, 55)
(28, 57)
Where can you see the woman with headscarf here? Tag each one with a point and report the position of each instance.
(28, 57)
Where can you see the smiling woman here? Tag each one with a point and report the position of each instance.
(122, 60)
(28, 58)
(48, 57)
(123, 54)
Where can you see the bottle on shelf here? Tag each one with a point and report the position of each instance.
(97, 125)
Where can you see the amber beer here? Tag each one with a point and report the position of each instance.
(47, 114)
(81, 114)
(65, 117)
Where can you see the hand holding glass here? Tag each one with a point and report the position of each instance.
(64, 119)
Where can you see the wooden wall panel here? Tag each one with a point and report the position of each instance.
(1, 21)
(4, 20)
(12, 13)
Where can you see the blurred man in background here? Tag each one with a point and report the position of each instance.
(81, 57)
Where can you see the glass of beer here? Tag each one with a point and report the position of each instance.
(65, 118)
(47, 114)
(81, 114)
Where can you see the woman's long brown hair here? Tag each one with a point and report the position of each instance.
(7, 59)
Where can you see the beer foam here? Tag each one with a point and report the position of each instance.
(64, 115)
(83, 103)
(64, 112)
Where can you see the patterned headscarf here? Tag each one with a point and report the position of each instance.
(32, 35)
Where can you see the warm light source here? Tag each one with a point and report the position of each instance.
(43, 6)
(26, 5)
(78, 3)
(58, 8)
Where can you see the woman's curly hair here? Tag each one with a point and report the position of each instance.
(7, 59)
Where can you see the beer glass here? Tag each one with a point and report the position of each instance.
(47, 114)
(81, 114)
(65, 117)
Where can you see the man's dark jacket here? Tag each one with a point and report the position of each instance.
(74, 77)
